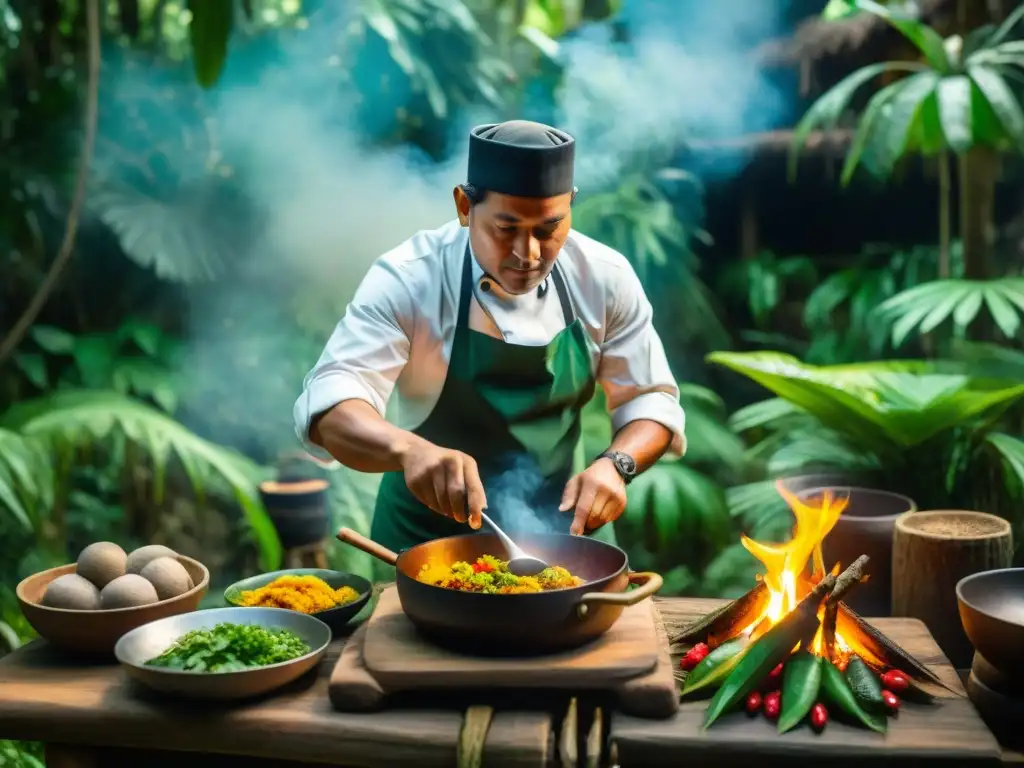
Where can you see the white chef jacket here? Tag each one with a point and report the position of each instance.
(392, 347)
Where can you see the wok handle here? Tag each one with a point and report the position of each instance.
(369, 546)
(648, 582)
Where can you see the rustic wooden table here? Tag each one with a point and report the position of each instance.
(948, 733)
(93, 715)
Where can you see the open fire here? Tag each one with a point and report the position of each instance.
(791, 641)
(786, 575)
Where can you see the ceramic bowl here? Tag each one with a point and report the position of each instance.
(335, 618)
(94, 633)
(148, 641)
(992, 611)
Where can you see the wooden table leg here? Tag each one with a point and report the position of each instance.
(70, 756)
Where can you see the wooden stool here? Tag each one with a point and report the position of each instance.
(308, 556)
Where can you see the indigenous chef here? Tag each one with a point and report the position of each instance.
(482, 341)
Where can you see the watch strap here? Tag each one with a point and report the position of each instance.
(624, 464)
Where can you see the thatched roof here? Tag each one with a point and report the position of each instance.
(817, 39)
(777, 142)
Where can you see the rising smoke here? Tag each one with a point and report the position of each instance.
(330, 204)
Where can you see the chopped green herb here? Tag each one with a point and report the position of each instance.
(230, 648)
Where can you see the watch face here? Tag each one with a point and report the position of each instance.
(626, 463)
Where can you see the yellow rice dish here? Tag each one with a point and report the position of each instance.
(305, 594)
(491, 576)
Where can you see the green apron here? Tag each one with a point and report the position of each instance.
(516, 410)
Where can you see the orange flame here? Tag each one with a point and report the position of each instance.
(785, 565)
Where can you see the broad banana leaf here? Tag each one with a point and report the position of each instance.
(883, 407)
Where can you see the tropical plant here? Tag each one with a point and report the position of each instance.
(842, 314)
(958, 99)
(955, 303)
(61, 428)
(905, 426)
(678, 520)
(638, 219)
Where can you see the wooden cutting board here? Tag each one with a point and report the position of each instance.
(399, 658)
(949, 732)
(423, 672)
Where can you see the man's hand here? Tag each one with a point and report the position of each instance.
(446, 481)
(596, 496)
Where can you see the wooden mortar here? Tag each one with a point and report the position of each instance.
(931, 552)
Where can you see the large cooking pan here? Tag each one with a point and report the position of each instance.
(521, 624)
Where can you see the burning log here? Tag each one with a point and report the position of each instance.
(727, 621)
(848, 579)
(881, 653)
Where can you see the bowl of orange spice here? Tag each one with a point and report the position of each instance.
(331, 596)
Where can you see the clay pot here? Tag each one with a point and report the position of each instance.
(298, 510)
(865, 528)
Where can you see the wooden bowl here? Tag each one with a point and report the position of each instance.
(94, 633)
(992, 611)
(146, 642)
(335, 618)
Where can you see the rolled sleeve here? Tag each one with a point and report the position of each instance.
(634, 371)
(365, 354)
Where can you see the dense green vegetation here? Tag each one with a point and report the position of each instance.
(192, 190)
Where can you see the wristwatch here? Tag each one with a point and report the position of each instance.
(624, 464)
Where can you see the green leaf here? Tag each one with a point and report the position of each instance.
(866, 128)
(898, 114)
(209, 32)
(716, 666)
(53, 340)
(839, 693)
(926, 39)
(34, 368)
(826, 111)
(864, 683)
(94, 358)
(1002, 100)
(954, 95)
(800, 683)
(1007, 26)
(882, 407)
(1011, 451)
(838, 9)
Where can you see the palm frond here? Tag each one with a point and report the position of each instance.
(73, 420)
(26, 478)
(925, 307)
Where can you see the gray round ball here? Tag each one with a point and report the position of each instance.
(128, 591)
(168, 576)
(101, 563)
(71, 592)
(143, 556)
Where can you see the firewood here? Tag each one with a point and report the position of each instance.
(847, 580)
(879, 651)
(728, 620)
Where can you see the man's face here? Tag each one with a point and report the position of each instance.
(516, 239)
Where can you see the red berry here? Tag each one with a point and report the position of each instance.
(891, 700)
(753, 704)
(774, 679)
(819, 717)
(895, 681)
(694, 656)
(772, 705)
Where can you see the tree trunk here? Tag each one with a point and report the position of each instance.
(944, 215)
(932, 551)
(978, 169)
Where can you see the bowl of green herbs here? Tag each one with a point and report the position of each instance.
(224, 653)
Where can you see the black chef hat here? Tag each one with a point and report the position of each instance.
(521, 158)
